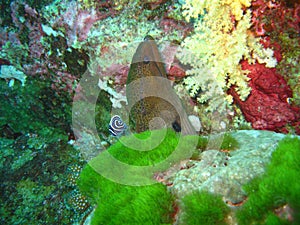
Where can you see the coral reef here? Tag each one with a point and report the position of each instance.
(113, 40)
(279, 21)
(234, 57)
(34, 188)
(36, 180)
(76, 22)
(220, 41)
(35, 102)
(229, 34)
(272, 104)
(33, 51)
(57, 41)
(289, 65)
(275, 17)
(225, 173)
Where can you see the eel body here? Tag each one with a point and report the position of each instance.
(153, 103)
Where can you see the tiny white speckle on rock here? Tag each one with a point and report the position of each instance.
(195, 121)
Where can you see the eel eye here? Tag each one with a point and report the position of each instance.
(176, 126)
(146, 60)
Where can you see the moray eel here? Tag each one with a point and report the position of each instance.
(150, 95)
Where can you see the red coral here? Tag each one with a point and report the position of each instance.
(266, 42)
(266, 80)
(176, 72)
(271, 15)
(267, 106)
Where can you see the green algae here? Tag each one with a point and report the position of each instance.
(278, 187)
(121, 204)
(125, 204)
(203, 208)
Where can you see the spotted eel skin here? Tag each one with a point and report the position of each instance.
(150, 94)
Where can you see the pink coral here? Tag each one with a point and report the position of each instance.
(35, 46)
(78, 22)
(85, 22)
(118, 72)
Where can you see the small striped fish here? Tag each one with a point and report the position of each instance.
(116, 126)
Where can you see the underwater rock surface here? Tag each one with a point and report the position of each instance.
(225, 173)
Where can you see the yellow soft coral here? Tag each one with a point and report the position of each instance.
(196, 7)
(220, 41)
(237, 7)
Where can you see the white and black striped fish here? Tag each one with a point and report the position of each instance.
(117, 126)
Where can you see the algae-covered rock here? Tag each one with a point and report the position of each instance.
(225, 173)
(203, 191)
(274, 197)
